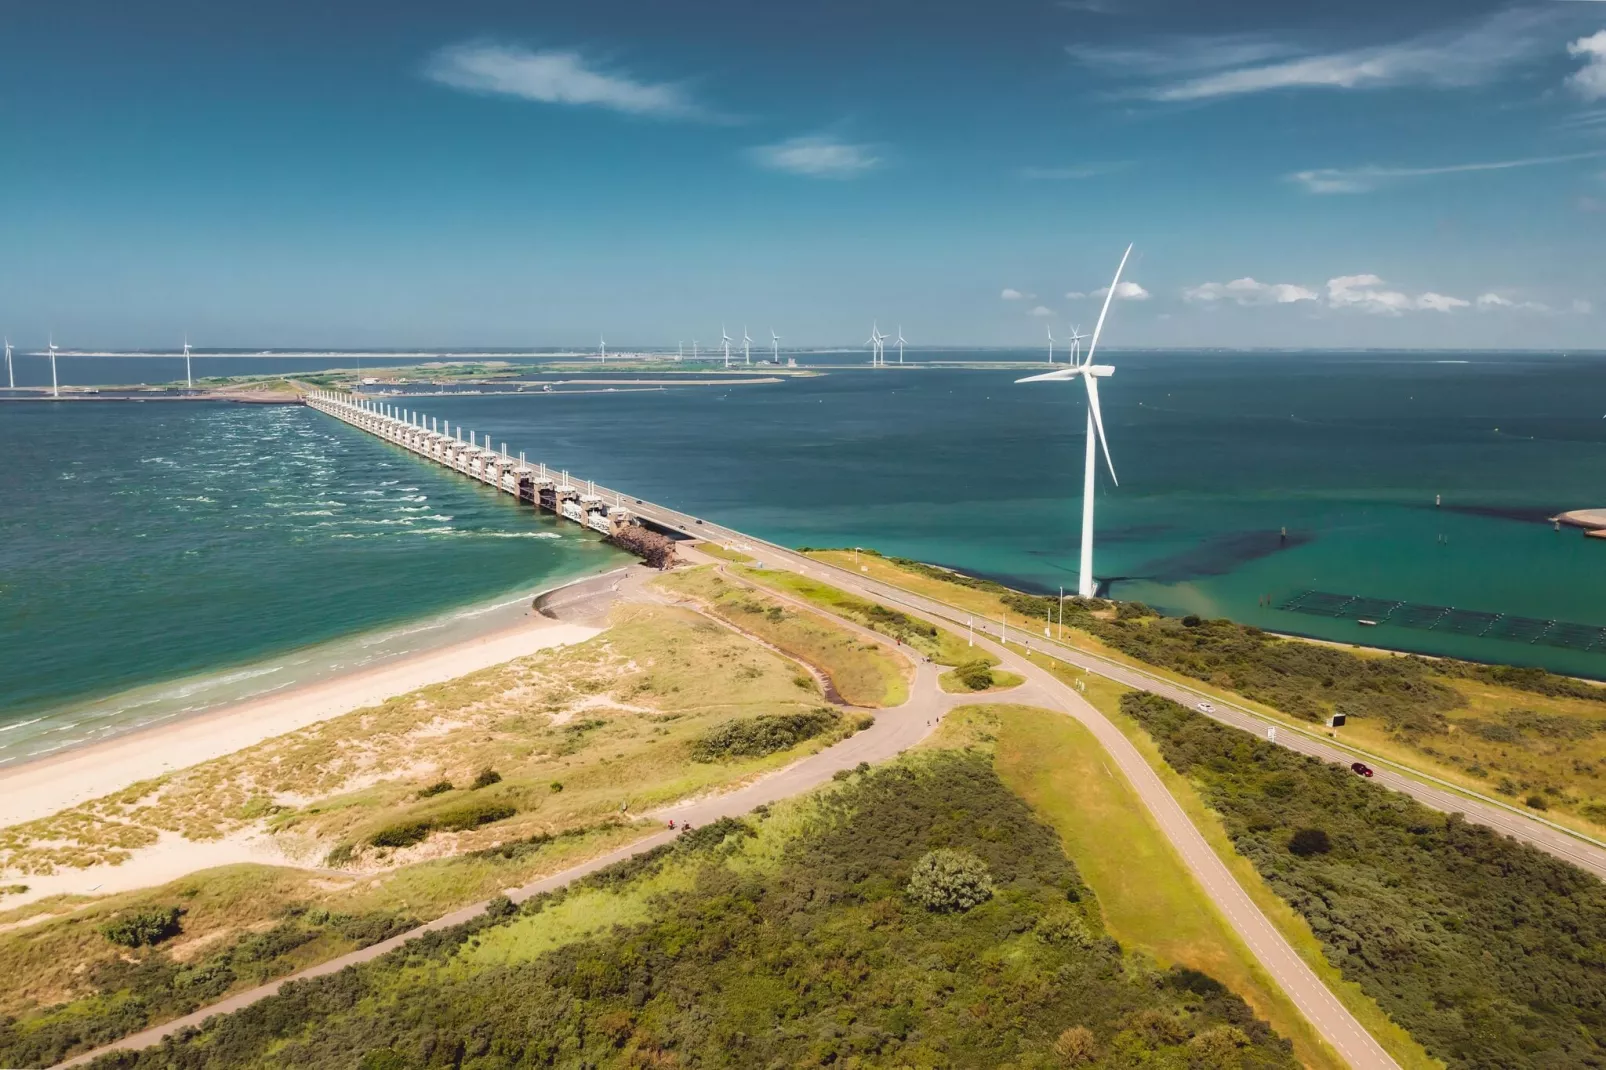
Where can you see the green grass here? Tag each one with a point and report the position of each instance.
(1003, 679)
(714, 549)
(1149, 900)
(1105, 695)
(864, 672)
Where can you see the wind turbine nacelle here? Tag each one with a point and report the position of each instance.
(1102, 371)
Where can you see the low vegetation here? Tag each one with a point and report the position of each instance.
(1489, 952)
(1523, 733)
(754, 737)
(411, 809)
(789, 941)
(863, 672)
(978, 675)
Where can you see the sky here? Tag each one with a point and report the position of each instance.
(516, 173)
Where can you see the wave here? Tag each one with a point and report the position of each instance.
(20, 724)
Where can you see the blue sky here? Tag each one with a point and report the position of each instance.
(517, 173)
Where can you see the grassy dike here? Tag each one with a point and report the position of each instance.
(1105, 695)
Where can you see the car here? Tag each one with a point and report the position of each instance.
(1360, 769)
(1205, 707)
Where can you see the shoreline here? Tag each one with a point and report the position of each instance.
(38, 786)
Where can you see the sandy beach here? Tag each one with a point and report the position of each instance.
(39, 788)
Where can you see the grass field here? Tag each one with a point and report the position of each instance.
(714, 549)
(1106, 696)
(864, 672)
(574, 735)
(1002, 681)
(1500, 740)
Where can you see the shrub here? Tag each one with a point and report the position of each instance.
(440, 787)
(975, 675)
(1076, 1046)
(472, 816)
(339, 855)
(754, 737)
(1536, 802)
(1307, 842)
(143, 928)
(404, 834)
(556, 786)
(486, 778)
(945, 880)
(500, 906)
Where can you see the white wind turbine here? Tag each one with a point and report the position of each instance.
(775, 346)
(694, 349)
(55, 388)
(725, 341)
(189, 378)
(874, 342)
(1076, 343)
(602, 348)
(1090, 374)
(747, 343)
(900, 343)
(1050, 330)
(11, 378)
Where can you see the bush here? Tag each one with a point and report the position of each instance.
(1307, 842)
(1536, 802)
(440, 787)
(472, 816)
(486, 778)
(975, 675)
(1077, 1046)
(945, 880)
(556, 786)
(339, 855)
(143, 928)
(404, 834)
(500, 906)
(754, 737)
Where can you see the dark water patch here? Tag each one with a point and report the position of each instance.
(1219, 555)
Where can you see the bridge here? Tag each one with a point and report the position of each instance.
(584, 502)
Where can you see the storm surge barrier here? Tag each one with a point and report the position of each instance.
(1448, 619)
(598, 508)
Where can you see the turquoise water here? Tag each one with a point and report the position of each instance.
(145, 544)
(158, 559)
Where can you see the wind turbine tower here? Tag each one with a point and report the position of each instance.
(602, 348)
(775, 346)
(900, 343)
(189, 377)
(11, 378)
(747, 352)
(55, 388)
(874, 342)
(1076, 343)
(1090, 374)
(725, 342)
(1050, 330)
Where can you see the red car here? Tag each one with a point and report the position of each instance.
(1361, 767)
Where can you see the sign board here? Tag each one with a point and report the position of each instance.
(1336, 721)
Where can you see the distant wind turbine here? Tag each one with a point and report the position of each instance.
(1076, 343)
(747, 352)
(680, 351)
(1090, 374)
(725, 341)
(694, 349)
(11, 378)
(189, 378)
(900, 343)
(55, 388)
(775, 346)
(1050, 344)
(602, 348)
(874, 342)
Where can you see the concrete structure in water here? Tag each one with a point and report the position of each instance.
(599, 509)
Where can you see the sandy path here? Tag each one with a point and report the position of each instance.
(40, 788)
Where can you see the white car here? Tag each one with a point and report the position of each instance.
(1205, 707)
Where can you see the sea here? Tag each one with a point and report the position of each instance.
(158, 559)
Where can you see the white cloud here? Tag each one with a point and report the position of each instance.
(1075, 295)
(1366, 293)
(1126, 291)
(1472, 54)
(1491, 301)
(1589, 81)
(1582, 307)
(1365, 179)
(555, 77)
(1041, 310)
(1012, 294)
(817, 157)
(1247, 291)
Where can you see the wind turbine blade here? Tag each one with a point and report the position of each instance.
(1070, 372)
(1098, 422)
(1105, 311)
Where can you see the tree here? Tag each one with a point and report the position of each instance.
(1307, 842)
(1076, 1046)
(945, 880)
(143, 928)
